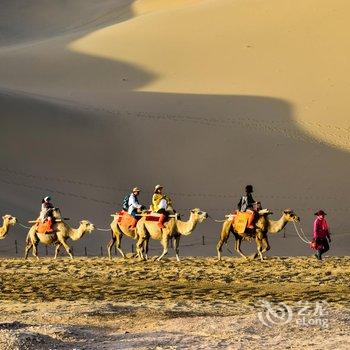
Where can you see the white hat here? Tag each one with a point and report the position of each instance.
(47, 198)
(158, 187)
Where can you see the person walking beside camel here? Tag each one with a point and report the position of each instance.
(321, 234)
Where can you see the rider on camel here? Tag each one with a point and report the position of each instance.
(134, 206)
(160, 203)
(246, 204)
(46, 212)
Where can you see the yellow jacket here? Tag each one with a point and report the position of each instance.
(156, 198)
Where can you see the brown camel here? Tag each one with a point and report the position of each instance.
(61, 233)
(8, 220)
(174, 228)
(264, 225)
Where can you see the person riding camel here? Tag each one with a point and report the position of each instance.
(46, 212)
(246, 204)
(160, 203)
(134, 207)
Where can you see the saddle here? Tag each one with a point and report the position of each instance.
(124, 218)
(240, 221)
(45, 227)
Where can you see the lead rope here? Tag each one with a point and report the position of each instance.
(103, 229)
(303, 239)
(210, 217)
(24, 226)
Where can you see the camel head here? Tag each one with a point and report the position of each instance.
(199, 215)
(290, 215)
(87, 226)
(9, 219)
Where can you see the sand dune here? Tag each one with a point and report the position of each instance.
(203, 96)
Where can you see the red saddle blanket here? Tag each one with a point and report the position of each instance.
(152, 218)
(44, 227)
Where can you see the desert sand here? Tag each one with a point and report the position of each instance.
(94, 303)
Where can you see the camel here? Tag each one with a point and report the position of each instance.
(61, 233)
(117, 232)
(8, 220)
(174, 228)
(264, 225)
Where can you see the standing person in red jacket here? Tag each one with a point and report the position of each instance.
(321, 234)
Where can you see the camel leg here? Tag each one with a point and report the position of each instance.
(224, 235)
(145, 247)
(238, 248)
(139, 247)
(176, 242)
(264, 243)
(119, 245)
(110, 245)
(259, 247)
(67, 248)
(164, 242)
(29, 246)
(35, 250)
(57, 250)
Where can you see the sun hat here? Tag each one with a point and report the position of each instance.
(320, 212)
(158, 187)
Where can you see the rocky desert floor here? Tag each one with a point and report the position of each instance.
(198, 303)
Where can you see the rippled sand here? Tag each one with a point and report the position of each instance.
(94, 303)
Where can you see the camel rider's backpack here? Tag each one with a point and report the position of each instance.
(125, 204)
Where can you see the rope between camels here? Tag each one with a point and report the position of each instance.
(303, 239)
(103, 229)
(209, 217)
(24, 226)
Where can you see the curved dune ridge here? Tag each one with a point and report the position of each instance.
(204, 96)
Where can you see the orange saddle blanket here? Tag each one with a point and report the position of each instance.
(124, 218)
(44, 227)
(240, 221)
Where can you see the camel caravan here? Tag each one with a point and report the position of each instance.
(160, 222)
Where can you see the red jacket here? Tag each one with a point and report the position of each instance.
(321, 229)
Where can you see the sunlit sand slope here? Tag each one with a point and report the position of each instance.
(203, 96)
